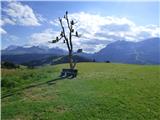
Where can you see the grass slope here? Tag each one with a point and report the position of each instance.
(100, 92)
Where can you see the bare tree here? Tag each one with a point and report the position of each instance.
(68, 38)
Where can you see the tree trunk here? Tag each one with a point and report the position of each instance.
(70, 60)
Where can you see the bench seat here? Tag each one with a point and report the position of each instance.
(69, 73)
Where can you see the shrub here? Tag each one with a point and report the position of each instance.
(7, 83)
(9, 65)
(107, 61)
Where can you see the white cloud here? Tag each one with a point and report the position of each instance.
(97, 31)
(10, 39)
(2, 31)
(44, 37)
(17, 13)
(115, 26)
(8, 21)
(1, 22)
(93, 23)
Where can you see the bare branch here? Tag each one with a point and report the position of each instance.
(56, 40)
(70, 31)
(77, 35)
(66, 12)
(70, 38)
(69, 48)
(67, 19)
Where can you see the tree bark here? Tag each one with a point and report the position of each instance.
(70, 60)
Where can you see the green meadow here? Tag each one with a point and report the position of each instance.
(101, 91)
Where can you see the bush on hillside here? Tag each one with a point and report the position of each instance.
(9, 65)
(7, 83)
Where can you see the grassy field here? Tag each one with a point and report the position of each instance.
(101, 91)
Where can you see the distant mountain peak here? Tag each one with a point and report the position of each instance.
(143, 52)
(11, 47)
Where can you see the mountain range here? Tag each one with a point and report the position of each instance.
(143, 52)
(20, 50)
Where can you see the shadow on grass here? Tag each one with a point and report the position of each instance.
(50, 82)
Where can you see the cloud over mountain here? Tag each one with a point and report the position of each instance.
(97, 31)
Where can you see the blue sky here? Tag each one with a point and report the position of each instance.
(140, 12)
(33, 20)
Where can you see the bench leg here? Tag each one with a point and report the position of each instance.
(62, 74)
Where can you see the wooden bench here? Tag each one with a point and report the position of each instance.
(69, 73)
